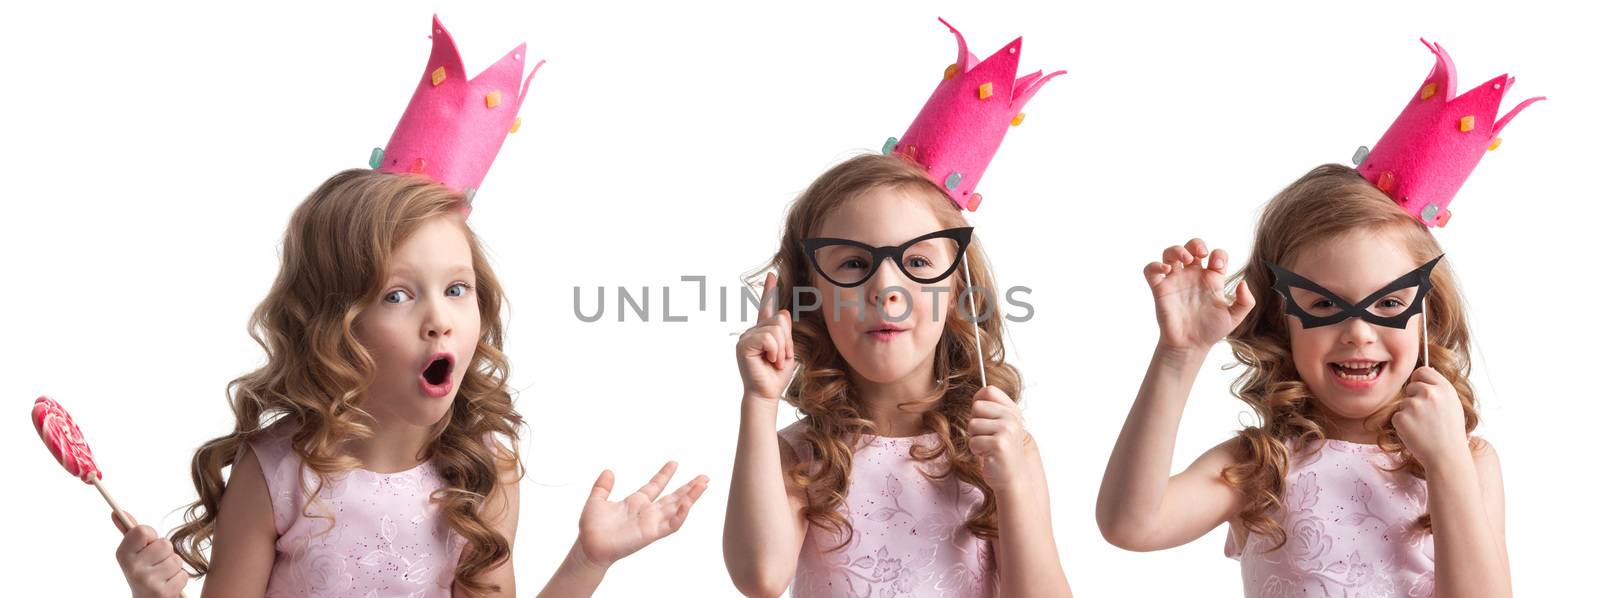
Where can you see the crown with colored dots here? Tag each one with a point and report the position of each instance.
(1429, 150)
(960, 127)
(454, 126)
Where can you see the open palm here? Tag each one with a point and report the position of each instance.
(608, 530)
(1188, 287)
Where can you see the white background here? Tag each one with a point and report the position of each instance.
(152, 156)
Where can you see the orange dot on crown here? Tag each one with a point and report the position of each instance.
(516, 124)
(1494, 144)
(438, 76)
(1017, 120)
(950, 72)
(1386, 181)
(985, 91)
(1429, 89)
(492, 100)
(1467, 123)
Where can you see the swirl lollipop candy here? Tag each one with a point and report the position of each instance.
(66, 443)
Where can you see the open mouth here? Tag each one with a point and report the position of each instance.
(435, 377)
(1357, 372)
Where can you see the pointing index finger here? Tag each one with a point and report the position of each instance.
(769, 301)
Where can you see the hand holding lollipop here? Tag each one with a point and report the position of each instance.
(149, 563)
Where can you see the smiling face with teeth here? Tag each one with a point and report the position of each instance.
(886, 335)
(1354, 368)
(424, 326)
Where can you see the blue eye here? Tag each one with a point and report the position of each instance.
(464, 288)
(919, 262)
(392, 294)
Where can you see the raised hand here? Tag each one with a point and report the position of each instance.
(1188, 288)
(766, 350)
(609, 531)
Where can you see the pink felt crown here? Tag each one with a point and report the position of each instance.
(1425, 156)
(961, 125)
(454, 126)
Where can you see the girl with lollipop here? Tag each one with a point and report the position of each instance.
(375, 452)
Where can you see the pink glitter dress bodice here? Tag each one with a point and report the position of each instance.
(364, 535)
(1352, 530)
(910, 538)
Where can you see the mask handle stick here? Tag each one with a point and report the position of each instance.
(1425, 332)
(977, 332)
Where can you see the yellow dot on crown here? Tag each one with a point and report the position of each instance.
(438, 76)
(492, 100)
(1017, 120)
(1466, 123)
(516, 124)
(950, 72)
(1494, 144)
(985, 90)
(1429, 89)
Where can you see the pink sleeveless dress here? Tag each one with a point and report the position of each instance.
(1352, 530)
(384, 539)
(910, 538)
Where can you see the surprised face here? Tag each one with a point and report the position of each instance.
(423, 330)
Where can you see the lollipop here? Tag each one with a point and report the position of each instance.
(66, 443)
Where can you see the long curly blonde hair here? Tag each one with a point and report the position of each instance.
(335, 254)
(1329, 201)
(822, 391)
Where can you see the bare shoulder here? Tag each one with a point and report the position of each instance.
(788, 457)
(1483, 453)
(243, 545)
(1219, 457)
(792, 448)
(246, 502)
(1486, 459)
(501, 508)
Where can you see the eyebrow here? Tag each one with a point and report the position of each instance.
(403, 271)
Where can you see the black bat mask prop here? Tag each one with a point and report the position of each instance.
(1340, 310)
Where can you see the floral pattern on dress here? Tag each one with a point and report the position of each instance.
(1352, 531)
(362, 535)
(910, 537)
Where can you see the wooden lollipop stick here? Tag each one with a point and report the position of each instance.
(972, 307)
(127, 522)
